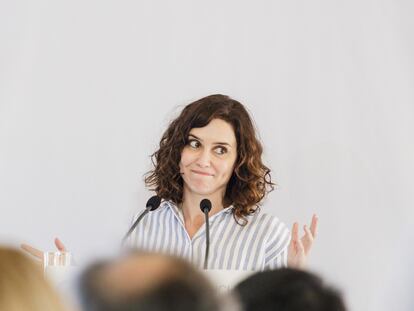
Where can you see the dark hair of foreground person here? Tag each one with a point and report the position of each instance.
(288, 290)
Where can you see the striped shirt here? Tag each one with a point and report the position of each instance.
(259, 245)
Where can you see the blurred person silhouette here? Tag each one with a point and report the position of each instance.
(22, 285)
(145, 281)
(288, 289)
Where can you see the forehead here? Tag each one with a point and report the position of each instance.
(216, 131)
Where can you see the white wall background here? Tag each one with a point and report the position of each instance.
(87, 88)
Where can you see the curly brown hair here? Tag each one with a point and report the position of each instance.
(250, 181)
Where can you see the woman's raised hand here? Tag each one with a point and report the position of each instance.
(299, 248)
(38, 253)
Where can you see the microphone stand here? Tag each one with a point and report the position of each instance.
(205, 206)
(207, 238)
(152, 204)
(126, 236)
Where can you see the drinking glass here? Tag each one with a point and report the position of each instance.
(56, 266)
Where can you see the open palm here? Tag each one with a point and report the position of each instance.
(38, 254)
(299, 248)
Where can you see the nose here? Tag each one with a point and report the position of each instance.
(204, 159)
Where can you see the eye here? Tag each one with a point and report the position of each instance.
(194, 143)
(220, 150)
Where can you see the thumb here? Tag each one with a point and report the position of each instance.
(60, 246)
(294, 239)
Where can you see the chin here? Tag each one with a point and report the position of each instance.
(202, 189)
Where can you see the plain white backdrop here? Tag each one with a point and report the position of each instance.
(88, 87)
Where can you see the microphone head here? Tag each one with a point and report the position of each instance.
(153, 203)
(205, 205)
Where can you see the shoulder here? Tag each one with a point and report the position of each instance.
(264, 219)
(165, 206)
(271, 226)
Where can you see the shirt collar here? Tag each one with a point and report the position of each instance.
(179, 213)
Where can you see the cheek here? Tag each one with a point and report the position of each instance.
(186, 158)
(226, 168)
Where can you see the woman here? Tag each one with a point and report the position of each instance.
(210, 151)
(23, 286)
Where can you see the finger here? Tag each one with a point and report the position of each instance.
(300, 249)
(314, 225)
(300, 261)
(307, 239)
(308, 234)
(32, 251)
(295, 232)
(60, 246)
(294, 237)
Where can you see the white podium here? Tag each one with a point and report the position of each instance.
(226, 280)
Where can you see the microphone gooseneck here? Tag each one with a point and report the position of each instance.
(152, 204)
(205, 206)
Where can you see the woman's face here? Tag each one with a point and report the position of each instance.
(207, 161)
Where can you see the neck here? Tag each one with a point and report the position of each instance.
(191, 205)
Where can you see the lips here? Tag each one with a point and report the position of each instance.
(201, 173)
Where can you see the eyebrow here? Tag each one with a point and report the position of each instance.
(216, 143)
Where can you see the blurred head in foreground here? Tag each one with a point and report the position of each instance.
(288, 290)
(146, 282)
(22, 285)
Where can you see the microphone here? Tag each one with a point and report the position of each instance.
(152, 204)
(205, 206)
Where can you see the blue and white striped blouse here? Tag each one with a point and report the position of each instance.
(261, 244)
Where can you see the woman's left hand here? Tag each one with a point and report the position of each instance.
(299, 248)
